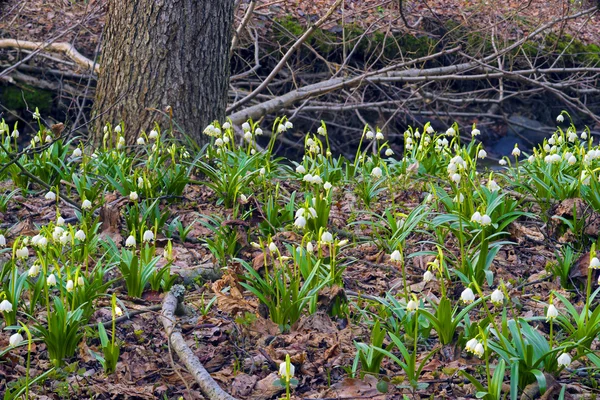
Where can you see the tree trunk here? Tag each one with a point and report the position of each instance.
(159, 53)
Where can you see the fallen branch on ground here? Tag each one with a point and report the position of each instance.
(208, 386)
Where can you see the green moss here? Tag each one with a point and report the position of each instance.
(15, 98)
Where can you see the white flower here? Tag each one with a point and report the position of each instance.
(572, 160)
(80, 235)
(493, 186)
(118, 311)
(450, 132)
(23, 252)
(531, 159)
(497, 297)
(118, 128)
(312, 213)
(65, 238)
(467, 296)
(478, 350)
(326, 237)
(427, 276)
(321, 131)
(475, 132)
(369, 135)
(564, 360)
(246, 126)
(516, 152)
(376, 172)
(34, 270)
(317, 179)
(14, 134)
(485, 220)
(148, 236)
(262, 171)
(15, 339)
(6, 306)
(50, 196)
(283, 371)
(395, 256)
(80, 281)
(86, 205)
(379, 136)
(327, 185)
(2, 241)
(551, 313)
(77, 152)
(130, 242)
(133, 196)
(459, 198)
(141, 141)
(70, 285)
(226, 125)
(476, 217)
(455, 178)
(560, 118)
(412, 306)
(482, 154)
(595, 263)
(248, 136)
(140, 181)
(389, 152)
(502, 162)
(309, 247)
(429, 129)
(300, 222)
(300, 169)
(51, 280)
(288, 125)
(153, 135)
(470, 346)
(583, 135)
(272, 247)
(48, 139)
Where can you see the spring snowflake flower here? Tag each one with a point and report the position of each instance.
(389, 152)
(475, 132)
(86, 205)
(478, 350)
(133, 196)
(370, 135)
(321, 131)
(470, 346)
(560, 119)
(272, 247)
(395, 256)
(327, 185)
(564, 360)
(34, 270)
(485, 220)
(80, 234)
(6, 306)
(572, 160)
(77, 152)
(427, 276)
(326, 237)
(429, 129)
(70, 285)
(450, 132)
(476, 217)
(262, 171)
(248, 136)
(2, 241)
(516, 152)
(246, 126)
(118, 311)
(23, 252)
(595, 263)
(15, 339)
(309, 247)
(50, 196)
(459, 198)
(226, 125)
(300, 222)
(51, 280)
(288, 125)
(14, 134)
(497, 297)
(583, 136)
(118, 128)
(283, 372)
(130, 242)
(493, 186)
(482, 154)
(412, 306)
(376, 172)
(312, 213)
(379, 136)
(140, 141)
(551, 313)
(148, 236)
(455, 178)
(502, 162)
(467, 296)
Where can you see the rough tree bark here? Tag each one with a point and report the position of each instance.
(159, 53)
